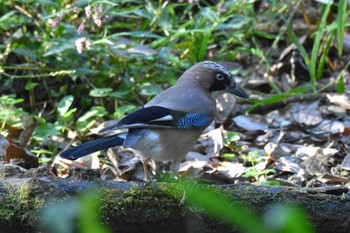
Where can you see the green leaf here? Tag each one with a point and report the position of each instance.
(10, 100)
(89, 118)
(280, 97)
(42, 151)
(100, 92)
(341, 24)
(64, 105)
(123, 110)
(265, 35)
(340, 84)
(139, 34)
(150, 89)
(84, 71)
(60, 46)
(238, 22)
(228, 156)
(69, 113)
(297, 44)
(87, 115)
(46, 130)
(205, 38)
(269, 100)
(119, 94)
(231, 137)
(209, 14)
(324, 55)
(43, 160)
(26, 53)
(83, 126)
(251, 172)
(30, 86)
(40, 120)
(7, 15)
(12, 20)
(316, 46)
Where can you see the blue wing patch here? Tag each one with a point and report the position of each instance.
(193, 120)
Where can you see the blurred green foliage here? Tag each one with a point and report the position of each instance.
(279, 218)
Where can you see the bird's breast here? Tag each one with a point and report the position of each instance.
(161, 144)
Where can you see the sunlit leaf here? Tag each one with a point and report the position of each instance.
(30, 86)
(100, 92)
(64, 104)
(43, 131)
(340, 84)
(150, 89)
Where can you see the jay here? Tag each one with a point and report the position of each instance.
(168, 126)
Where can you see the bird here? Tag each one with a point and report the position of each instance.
(166, 128)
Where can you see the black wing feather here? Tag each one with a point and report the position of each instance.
(91, 147)
(143, 116)
(156, 116)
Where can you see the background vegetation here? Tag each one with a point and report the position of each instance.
(67, 66)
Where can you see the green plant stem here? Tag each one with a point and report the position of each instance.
(341, 25)
(316, 46)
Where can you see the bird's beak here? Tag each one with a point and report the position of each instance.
(236, 90)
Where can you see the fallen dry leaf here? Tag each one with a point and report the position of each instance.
(274, 150)
(334, 179)
(346, 163)
(343, 100)
(251, 122)
(229, 170)
(288, 164)
(18, 155)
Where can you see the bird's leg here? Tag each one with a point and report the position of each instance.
(145, 169)
(183, 199)
(174, 167)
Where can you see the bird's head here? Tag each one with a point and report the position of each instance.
(214, 77)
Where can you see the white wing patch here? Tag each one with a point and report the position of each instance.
(164, 118)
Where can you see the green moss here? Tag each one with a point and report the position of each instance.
(18, 206)
(140, 205)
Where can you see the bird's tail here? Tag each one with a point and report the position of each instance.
(92, 146)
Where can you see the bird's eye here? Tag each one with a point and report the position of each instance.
(219, 77)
